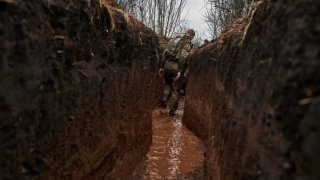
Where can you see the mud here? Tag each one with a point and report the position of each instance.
(175, 152)
(253, 95)
(77, 87)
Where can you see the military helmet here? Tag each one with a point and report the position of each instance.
(191, 32)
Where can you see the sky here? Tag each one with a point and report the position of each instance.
(194, 13)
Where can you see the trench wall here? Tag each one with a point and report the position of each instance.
(77, 86)
(253, 94)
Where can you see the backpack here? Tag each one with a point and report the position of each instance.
(173, 46)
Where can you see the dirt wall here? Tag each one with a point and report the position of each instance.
(77, 87)
(254, 94)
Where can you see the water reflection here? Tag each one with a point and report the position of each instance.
(175, 144)
(175, 150)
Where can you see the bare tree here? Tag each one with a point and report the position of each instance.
(221, 13)
(129, 5)
(163, 16)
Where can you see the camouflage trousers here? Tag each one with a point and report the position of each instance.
(171, 92)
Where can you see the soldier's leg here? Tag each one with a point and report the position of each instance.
(166, 92)
(183, 84)
(167, 88)
(175, 95)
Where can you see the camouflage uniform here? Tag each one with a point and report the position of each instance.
(172, 66)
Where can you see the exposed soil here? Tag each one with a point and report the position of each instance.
(254, 95)
(78, 82)
(175, 152)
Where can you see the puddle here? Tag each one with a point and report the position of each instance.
(175, 152)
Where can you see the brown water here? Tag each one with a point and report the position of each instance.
(175, 151)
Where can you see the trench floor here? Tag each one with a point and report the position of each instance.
(175, 153)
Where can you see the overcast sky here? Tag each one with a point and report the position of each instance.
(194, 11)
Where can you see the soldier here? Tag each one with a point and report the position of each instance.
(174, 65)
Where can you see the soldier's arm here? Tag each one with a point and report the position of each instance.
(186, 65)
(162, 61)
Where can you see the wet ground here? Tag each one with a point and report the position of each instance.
(175, 152)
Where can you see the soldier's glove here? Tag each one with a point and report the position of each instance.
(161, 72)
(178, 76)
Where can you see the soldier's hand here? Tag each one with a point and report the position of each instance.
(160, 72)
(178, 76)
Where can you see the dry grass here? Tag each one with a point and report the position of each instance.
(112, 7)
(250, 16)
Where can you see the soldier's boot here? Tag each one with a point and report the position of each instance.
(163, 103)
(171, 113)
(182, 92)
(173, 105)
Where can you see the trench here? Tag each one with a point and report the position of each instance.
(78, 82)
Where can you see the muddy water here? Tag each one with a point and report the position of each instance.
(175, 152)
